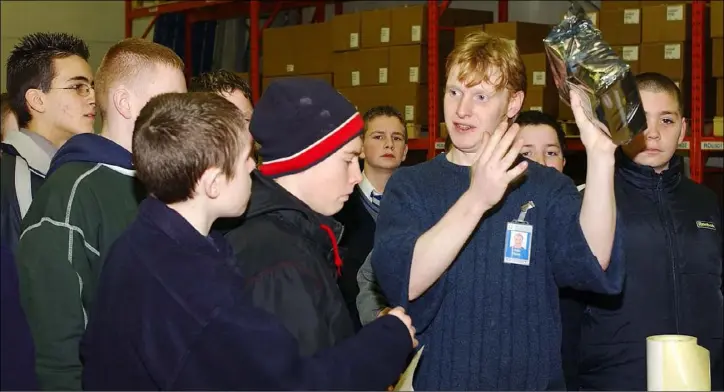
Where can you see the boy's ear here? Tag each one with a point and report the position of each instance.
(210, 183)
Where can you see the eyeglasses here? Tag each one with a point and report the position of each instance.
(81, 89)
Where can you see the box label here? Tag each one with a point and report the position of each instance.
(416, 33)
(439, 145)
(672, 51)
(675, 12)
(708, 146)
(382, 76)
(539, 78)
(409, 113)
(290, 67)
(683, 145)
(632, 16)
(414, 75)
(355, 78)
(537, 108)
(354, 40)
(385, 34)
(631, 53)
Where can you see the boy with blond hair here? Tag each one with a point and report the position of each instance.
(444, 247)
(88, 199)
(201, 333)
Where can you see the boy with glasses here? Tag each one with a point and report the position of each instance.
(91, 195)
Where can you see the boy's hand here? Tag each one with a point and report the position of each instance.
(399, 312)
(594, 134)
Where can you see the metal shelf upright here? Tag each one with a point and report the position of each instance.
(200, 11)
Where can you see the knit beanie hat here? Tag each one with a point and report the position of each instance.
(299, 122)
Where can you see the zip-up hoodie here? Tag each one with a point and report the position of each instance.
(88, 199)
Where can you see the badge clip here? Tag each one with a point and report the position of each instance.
(524, 210)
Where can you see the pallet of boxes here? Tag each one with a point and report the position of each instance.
(381, 58)
(655, 36)
(376, 57)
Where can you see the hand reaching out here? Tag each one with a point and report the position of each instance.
(400, 313)
(491, 172)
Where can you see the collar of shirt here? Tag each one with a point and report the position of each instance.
(368, 190)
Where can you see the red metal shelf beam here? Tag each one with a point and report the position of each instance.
(698, 56)
(200, 11)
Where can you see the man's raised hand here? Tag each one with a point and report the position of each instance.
(491, 172)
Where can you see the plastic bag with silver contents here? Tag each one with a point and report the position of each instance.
(580, 59)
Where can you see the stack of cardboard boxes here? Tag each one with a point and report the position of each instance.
(373, 57)
(655, 36)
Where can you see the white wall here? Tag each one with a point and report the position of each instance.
(99, 23)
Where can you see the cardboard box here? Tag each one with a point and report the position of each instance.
(719, 107)
(410, 100)
(716, 23)
(621, 27)
(543, 99)
(346, 31)
(366, 67)
(629, 54)
(666, 23)
(462, 32)
(376, 26)
(717, 57)
(528, 36)
(564, 111)
(537, 70)
(287, 51)
(265, 81)
(669, 59)
(409, 24)
(609, 5)
(408, 64)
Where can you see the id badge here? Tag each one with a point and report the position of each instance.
(519, 238)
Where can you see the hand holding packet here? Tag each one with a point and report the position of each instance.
(580, 59)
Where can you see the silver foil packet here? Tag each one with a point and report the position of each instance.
(580, 59)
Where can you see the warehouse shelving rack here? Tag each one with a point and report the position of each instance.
(196, 11)
(200, 11)
(698, 145)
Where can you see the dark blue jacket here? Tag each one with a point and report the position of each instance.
(17, 359)
(170, 315)
(673, 246)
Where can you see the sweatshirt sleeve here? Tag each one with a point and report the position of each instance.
(370, 300)
(50, 292)
(402, 220)
(574, 265)
(253, 352)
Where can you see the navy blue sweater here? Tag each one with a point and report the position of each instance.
(488, 325)
(170, 315)
(17, 356)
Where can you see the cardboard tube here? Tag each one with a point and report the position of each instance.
(677, 363)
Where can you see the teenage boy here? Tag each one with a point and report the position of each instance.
(444, 241)
(383, 150)
(287, 245)
(193, 156)
(50, 91)
(236, 90)
(89, 198)
(674, 259)
(227, 84)
(543, 139)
